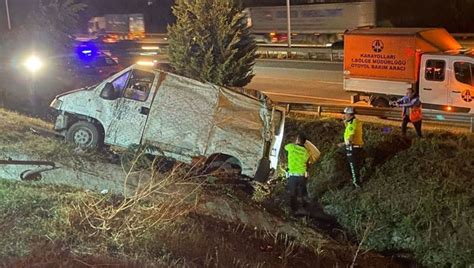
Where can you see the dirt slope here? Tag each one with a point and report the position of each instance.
(170, 219)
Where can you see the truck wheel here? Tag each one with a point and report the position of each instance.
(84, 135)
(380, 102)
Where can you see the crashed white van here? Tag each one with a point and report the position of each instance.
(182, 118)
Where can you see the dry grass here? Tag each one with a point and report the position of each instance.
(154, 225)
(21, 135)
(88, 224)
(157, 202)
(416, 192)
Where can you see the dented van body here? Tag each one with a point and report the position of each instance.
(179, 117)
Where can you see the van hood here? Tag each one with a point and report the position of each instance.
(73, 99)
(90, 88)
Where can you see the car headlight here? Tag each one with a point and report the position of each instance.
(56, 104)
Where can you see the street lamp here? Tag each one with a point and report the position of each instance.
(8, 15)
(288, 11)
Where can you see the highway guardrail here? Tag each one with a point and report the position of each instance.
(305, 52)
(428, 115)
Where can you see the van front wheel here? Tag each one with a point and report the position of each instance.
(83, 134)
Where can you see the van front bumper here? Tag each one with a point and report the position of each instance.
(61, 122)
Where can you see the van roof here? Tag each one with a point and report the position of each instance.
(248, 92)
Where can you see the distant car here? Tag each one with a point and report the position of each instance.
(99, 66)
(337, 51)
(338, 45)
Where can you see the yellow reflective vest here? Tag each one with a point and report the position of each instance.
(354, 128)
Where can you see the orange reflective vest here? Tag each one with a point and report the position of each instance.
(416, 113)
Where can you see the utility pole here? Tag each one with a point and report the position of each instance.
(288, 11)
(8, 15)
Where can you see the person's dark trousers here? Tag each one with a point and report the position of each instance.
(296, 188)
(354, 155)
(417, 125)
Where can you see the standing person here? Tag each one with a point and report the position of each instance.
(353, 143)
(298, 157)
(411, 112)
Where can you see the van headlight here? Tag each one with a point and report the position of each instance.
(56, 104)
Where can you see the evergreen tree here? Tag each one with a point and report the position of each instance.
(211, 41)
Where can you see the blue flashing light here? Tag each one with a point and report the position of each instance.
(87, 51)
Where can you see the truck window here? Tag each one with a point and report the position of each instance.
(139, 85)
(463, 72)
(435, 70)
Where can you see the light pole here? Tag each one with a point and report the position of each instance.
(288, 11)
(8, 15)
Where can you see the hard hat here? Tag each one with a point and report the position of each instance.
(349, 110)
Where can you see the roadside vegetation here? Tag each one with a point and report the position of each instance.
(211, 42)
(174, 218)
(417, 197)
(416, 202)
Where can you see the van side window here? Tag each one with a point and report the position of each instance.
(435, 70)
(120, 82)
(463, 72)
(139, 85)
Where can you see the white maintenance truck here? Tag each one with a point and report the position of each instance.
(380, 64)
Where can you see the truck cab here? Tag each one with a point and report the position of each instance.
(380, 64)
(447, 82)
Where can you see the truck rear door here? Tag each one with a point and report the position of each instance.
(131, 110)
(434, 82)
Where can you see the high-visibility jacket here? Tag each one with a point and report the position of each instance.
(354, 128)
(298, 157)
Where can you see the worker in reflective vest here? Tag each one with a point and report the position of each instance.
(353, 143)
(411, 111)
(298, 157)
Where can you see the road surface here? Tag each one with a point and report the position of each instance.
(300, 81)
(295, 81)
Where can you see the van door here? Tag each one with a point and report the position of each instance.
(461, 87)
(278, 125)
(136, 90)
(434, 83)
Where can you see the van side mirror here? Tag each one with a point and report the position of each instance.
(108, 92)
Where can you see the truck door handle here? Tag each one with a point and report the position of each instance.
(427, 89)
(456, 91)
(144, 110)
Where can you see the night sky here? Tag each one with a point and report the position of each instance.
(455, 15)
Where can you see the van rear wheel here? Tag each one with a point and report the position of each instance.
(223, 166)
(83, 134)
